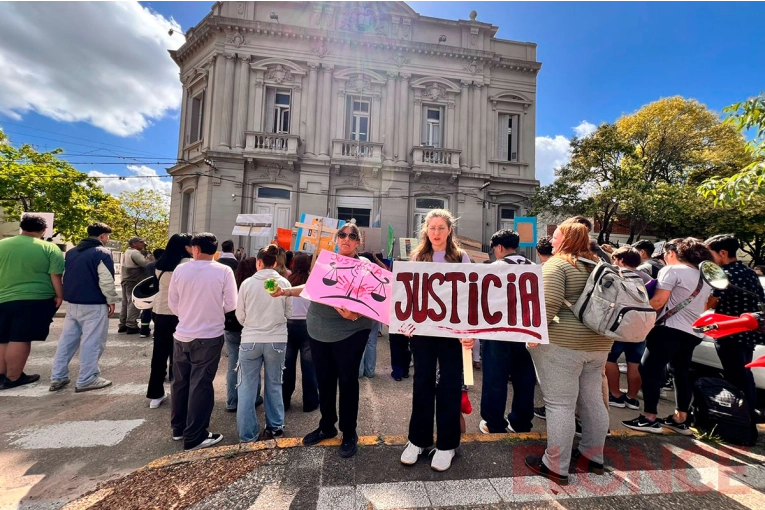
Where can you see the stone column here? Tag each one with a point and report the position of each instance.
(390, 103)
(228, 102)
(251, 93)
(417, 122)
(295, 106)
(463, 138)
(339, 118)
(483, 148)
(324, 124)
(258, 106)
(241, 104)
(475, 120)
(215, 99)
(313, 98)
(403, 120)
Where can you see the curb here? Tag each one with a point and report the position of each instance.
(296, 442)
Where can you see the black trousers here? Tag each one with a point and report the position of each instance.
(164, 327)
(443, 401)
(299, 342)
(337, 364)
(400, 356)
(194, 366)
(733, 357)
(664, 345)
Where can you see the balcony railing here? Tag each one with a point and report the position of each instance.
(363, 152)
(271, 143)
(431, 156)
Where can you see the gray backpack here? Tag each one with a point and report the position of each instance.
(614, 304)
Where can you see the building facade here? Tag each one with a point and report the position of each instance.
(362, 110)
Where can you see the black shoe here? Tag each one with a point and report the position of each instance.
(132, 331)
(231, 409)
(21, 381)
(540, 412)
(405, 375)
(259, 401)
(145, 333)
(122, 329)
(2, 379)
(536, 466)
(581, 464)
(349, 446)
(643, 424)
(670, 423)
(619, 401)
(310, 409)
(272, 433)
(317, 436)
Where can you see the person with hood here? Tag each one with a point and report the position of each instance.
(90, 291)
(263, 343)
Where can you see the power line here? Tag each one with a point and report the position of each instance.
(161, 163)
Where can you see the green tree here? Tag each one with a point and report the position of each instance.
(750, 180)
(32, 181)
(143, 213)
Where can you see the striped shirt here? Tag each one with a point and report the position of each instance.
(562, 280)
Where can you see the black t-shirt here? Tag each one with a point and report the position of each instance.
(734, 302)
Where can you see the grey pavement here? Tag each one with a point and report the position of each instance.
(57, 446)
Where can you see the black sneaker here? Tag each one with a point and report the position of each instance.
(21, 381)
(145, 333)
(536, 466)
(259, 401)
(212, 439)
(273, 433)
(132, 331)
(643, 424)
(540, 412)
(619, 401)
(122, 329)
(349, 446)
(670, 423)
(632, 403)
(581, 464)
(317, 436)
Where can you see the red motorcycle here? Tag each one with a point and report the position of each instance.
(717, 325)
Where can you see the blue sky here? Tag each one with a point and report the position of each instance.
(600, 60)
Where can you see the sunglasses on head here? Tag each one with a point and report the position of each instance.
(343, 235)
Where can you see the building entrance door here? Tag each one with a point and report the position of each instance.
(278, 203)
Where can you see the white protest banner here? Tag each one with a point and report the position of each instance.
(253, 225)
(482, 301)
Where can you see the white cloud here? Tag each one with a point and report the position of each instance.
(553, 152)
(113, 185)
(105, 63)
(584, 129)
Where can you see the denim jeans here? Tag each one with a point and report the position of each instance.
(85, 328)
(299, 342)
(369, 361)
(233, 339)
(252, 356)
(500, 361)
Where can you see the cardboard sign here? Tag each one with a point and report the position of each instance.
(527, 230)
(483, 301)
(360, 286)
(407, 244)
(256, 225)
(370, 240)
(307, 239)
(284, 238)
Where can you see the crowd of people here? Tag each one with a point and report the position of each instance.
(203, 304)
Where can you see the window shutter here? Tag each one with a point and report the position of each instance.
(424, 126)
(437, 136)
(270, 111)
(348, 117)
(514, 147)
(502, 137)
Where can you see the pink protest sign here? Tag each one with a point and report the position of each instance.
(358, 285)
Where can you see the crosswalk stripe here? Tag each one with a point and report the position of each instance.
(73, 434)
(39, 390)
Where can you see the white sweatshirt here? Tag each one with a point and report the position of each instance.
(264, 317)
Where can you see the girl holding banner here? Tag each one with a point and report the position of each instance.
(437, 244)
(338, 339)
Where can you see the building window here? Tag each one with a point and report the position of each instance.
(196, 116)
(357, 121)
(432, 126)
(273, 193)
(506, 218)
(507, 142)
(278, 102)
(356, 205)
(187, 211)
(422, 206)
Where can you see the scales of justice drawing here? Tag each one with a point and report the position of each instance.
(356, 279)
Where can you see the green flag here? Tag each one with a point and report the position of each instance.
(390, 241)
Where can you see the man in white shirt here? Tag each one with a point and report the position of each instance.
(201, 292)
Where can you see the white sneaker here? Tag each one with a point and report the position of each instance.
(156, 402)
(442, 460)
(212, 439)
(411, 454)
(99, 383)
(484, 427)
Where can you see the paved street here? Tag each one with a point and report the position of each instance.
(57, 446)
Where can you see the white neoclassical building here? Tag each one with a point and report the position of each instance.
(352, 109)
